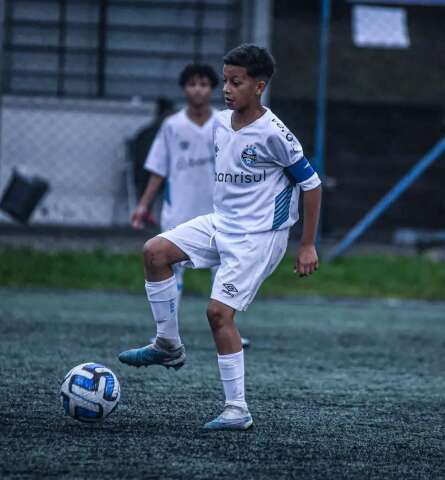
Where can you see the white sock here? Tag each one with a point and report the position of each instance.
(231, 369)
(163, 301)
(179, 274)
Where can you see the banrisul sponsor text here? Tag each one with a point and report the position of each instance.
(240, 177)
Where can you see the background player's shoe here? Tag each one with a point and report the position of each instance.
(157, 353)
(245, 342)
(232, 418)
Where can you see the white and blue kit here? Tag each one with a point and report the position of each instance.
(253, 177)
(183, 153)
(259, 171)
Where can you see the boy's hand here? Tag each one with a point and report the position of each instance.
(307, 260)
(138, 217)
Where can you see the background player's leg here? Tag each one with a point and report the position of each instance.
(213, 271)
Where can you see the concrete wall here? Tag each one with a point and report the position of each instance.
(78, 146)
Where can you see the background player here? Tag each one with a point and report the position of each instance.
(260, 168)
(181, 158)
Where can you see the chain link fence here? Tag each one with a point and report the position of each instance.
(80, 78)
(79, 148)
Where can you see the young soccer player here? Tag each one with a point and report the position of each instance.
(182, 157)
(260, 169)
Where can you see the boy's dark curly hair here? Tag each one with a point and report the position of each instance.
(258, 62)
(199, 69)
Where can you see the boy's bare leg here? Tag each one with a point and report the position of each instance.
(225, 332)
(162, 292)
(231, 367)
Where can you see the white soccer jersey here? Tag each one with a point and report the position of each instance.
(183, 153)
(253, 193)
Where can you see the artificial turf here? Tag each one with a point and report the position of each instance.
(337, 390)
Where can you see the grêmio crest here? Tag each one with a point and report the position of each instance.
(249, 156)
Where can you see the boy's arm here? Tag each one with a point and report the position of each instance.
(157, 163)
(288, 153)
(153, 185)
(307, 260)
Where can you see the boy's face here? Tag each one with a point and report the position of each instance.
(198, 91)
(240, 89)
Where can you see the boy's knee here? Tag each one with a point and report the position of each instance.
(155, 254)
(216, 315)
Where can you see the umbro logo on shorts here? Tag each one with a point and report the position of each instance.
(229, 289)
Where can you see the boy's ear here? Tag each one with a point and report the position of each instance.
(260, 86)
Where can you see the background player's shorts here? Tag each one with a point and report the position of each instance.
(244, 260)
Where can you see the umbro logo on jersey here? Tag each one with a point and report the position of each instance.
(249, 156)
(229, 289)
(279, 125)
(184, 144)
(294, 146)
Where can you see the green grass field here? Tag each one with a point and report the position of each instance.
(338, 390)
(367, 276)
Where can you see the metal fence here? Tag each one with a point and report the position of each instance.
(79, 79)
(79, 148)
(112, 48)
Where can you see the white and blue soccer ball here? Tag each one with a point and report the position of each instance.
(90, 392)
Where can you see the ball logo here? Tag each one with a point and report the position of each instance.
(249, 155)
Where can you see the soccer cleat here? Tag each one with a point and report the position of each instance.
(232, 418)
(156, 353)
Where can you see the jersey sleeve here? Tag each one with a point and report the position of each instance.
(157, 160)
(288, 153)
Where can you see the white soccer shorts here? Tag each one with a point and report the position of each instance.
(244, 260)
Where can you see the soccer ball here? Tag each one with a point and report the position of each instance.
(90, 392)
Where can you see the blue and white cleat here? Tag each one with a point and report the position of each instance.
(157, 353)
(232, 418)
